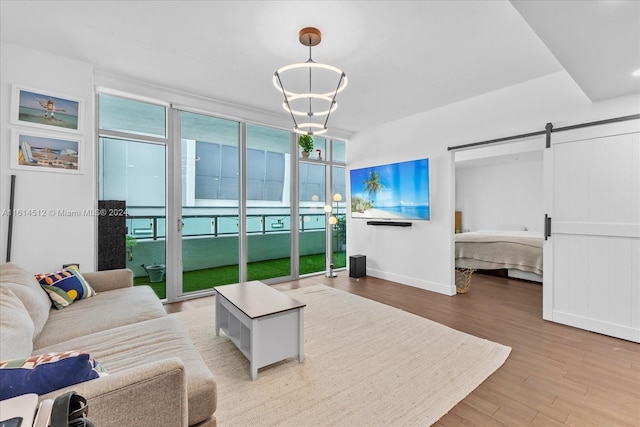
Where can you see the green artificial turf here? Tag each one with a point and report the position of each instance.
(206, 279)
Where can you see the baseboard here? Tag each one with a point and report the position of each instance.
(412, 281)
(599, 326)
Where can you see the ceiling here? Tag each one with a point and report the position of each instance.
(401, 57)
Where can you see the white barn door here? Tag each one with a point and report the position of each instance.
(592, 256)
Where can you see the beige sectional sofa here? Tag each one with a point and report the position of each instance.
(155, 375)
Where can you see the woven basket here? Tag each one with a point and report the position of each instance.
(463, 279)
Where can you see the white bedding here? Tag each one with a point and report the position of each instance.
(497, 249)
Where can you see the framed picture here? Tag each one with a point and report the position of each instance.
(46, 110)
(42, 152)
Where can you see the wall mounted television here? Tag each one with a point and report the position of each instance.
(395, 191)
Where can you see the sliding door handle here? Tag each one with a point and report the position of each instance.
(547, 226)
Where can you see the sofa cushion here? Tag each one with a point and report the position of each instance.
(146, 342)
(104, 311)
(16, 326)
(65, 286)
(25, 286)
(46, 372)
(108, 280)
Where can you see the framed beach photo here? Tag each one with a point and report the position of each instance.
(46, 110)
(43, 152)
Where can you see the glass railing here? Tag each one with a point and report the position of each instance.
(212, 239)
(152, 227)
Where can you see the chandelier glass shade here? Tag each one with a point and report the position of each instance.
(311, 88)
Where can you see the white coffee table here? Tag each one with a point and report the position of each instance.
(265, 324)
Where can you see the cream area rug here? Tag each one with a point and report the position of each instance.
(366, 364)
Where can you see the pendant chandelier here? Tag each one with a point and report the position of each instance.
(310, 101)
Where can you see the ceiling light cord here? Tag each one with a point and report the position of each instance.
(310, 112)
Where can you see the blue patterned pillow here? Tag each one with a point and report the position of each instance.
(65, 287)
(46, 372)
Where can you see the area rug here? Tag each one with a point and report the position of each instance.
(366, 364)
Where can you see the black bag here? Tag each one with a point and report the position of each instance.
(70, 410)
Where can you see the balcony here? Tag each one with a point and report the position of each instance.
(210, 247)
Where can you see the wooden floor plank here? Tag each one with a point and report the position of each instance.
(542, 420)
(449, 420)
(515, 417)
(474, 417)
(483, 405)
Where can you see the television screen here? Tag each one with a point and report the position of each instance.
(393, 191)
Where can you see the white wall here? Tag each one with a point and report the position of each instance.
(422, 255)
(43, 242)
(502, 196)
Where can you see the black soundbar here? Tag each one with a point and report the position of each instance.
(391, 223)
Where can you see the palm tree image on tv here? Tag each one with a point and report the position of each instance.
(393, 191)
(372, 186)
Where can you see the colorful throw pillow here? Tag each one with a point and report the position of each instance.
(65, 287)
(46, 372)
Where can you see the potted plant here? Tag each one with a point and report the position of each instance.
(130, 242)
(306, 142)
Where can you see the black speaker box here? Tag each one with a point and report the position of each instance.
(357, 266)
(112, 232)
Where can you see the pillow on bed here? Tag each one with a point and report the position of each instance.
(46, 372)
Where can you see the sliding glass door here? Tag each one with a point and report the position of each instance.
(210, 158)
(339, 211)
(313, 221)
(268, 203)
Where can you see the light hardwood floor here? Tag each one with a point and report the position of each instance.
(555, 374)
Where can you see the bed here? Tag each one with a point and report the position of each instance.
(520, 252)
